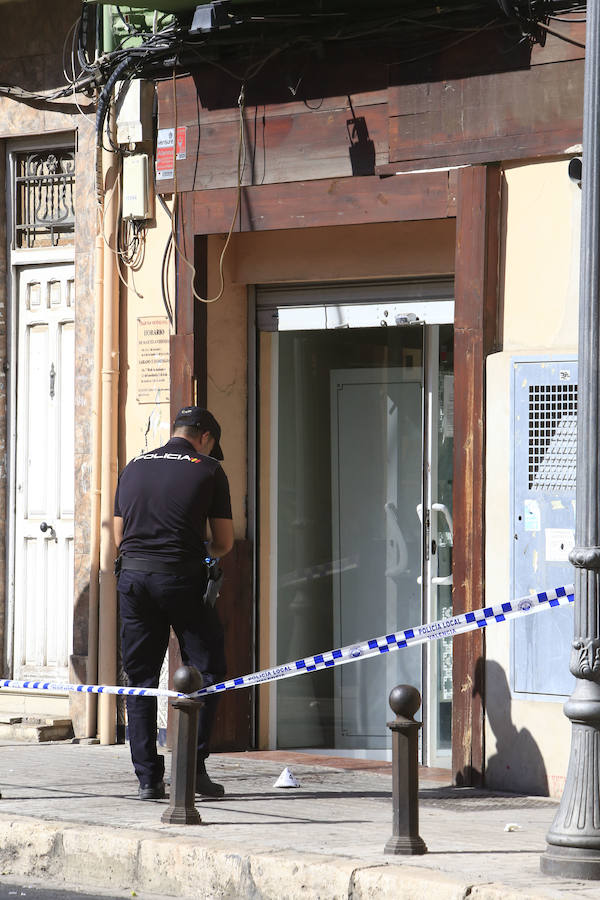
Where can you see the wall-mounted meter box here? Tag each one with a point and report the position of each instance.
(543, 476)
(137, 201)
(134, 104)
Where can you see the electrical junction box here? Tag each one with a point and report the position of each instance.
(136, 187)
(543, 476)
(134, 103)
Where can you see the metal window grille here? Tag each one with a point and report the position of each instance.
(44, 199)
(552, 437)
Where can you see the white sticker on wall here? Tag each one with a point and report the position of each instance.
(559, 543)
(532, 517)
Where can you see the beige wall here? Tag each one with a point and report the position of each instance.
(541, 210)
(143, 426)
(540, 276)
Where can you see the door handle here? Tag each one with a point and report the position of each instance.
(442, 579)
(44, 527)
(443, 509)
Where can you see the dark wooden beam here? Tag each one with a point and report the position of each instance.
(509, 115)
(476, 325)
(339, 201)
(282, 146)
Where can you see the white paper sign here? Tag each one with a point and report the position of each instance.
(559, 543)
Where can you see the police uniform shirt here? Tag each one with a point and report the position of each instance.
(165, 497)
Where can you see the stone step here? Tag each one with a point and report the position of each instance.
(35, 729)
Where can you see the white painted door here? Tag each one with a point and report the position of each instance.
(43, 601)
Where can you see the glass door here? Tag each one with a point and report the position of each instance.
(360, 424)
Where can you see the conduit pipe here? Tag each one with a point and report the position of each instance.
(107, 638)
(91, 707)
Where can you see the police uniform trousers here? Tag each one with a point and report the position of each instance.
(150, 603)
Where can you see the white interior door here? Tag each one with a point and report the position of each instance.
(377, 453)
(43, 601)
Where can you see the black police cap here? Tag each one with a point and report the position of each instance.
(203, 420)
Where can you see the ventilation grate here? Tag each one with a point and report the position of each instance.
(552, 437)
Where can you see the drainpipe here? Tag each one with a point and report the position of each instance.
(91, 708)
(107, 639)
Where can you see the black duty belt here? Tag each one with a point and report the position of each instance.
(159, 567)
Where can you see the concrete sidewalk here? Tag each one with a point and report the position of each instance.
(69, 813)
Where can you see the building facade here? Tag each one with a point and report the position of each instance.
(363, 259)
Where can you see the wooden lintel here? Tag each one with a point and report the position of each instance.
(337, 201)
(482, 118)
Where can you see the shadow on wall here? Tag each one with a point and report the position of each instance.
(517, 764)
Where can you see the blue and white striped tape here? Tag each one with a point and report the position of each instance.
(56, 687)
(419, 634)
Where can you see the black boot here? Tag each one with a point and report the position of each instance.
(204, 785)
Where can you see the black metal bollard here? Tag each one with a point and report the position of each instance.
(182, 808)
(405, 700)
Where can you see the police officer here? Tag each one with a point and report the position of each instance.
(162, 503)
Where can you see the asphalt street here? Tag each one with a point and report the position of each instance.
(44, 890)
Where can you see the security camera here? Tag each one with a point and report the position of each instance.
(575, 170)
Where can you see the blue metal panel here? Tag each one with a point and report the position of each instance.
(544, 406)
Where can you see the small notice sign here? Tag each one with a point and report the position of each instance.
(164, 150)
(153, 381)
(559, 543)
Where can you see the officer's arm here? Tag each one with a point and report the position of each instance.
(118, 530)
(221, 541)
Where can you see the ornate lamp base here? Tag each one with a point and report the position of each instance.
(569, 862)
(573, 841)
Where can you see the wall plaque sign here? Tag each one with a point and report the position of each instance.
(153, 381)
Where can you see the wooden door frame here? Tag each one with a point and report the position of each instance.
(476, 335)
(472, 195)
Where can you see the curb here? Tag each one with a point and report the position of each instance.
(124, 860)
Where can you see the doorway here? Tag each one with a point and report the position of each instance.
(360, 511)
(44, 488)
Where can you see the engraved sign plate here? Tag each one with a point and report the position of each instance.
(153, 359)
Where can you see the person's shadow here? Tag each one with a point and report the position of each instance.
(517, 764)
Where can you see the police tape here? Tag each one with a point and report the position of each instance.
(399, 640)
(56, 687)
(420, 634)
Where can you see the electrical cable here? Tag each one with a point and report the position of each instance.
(70, 33)
(127, 25)
(240, 166)
(104, 98)
(166, 261)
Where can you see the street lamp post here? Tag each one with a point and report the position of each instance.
(573, 849)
